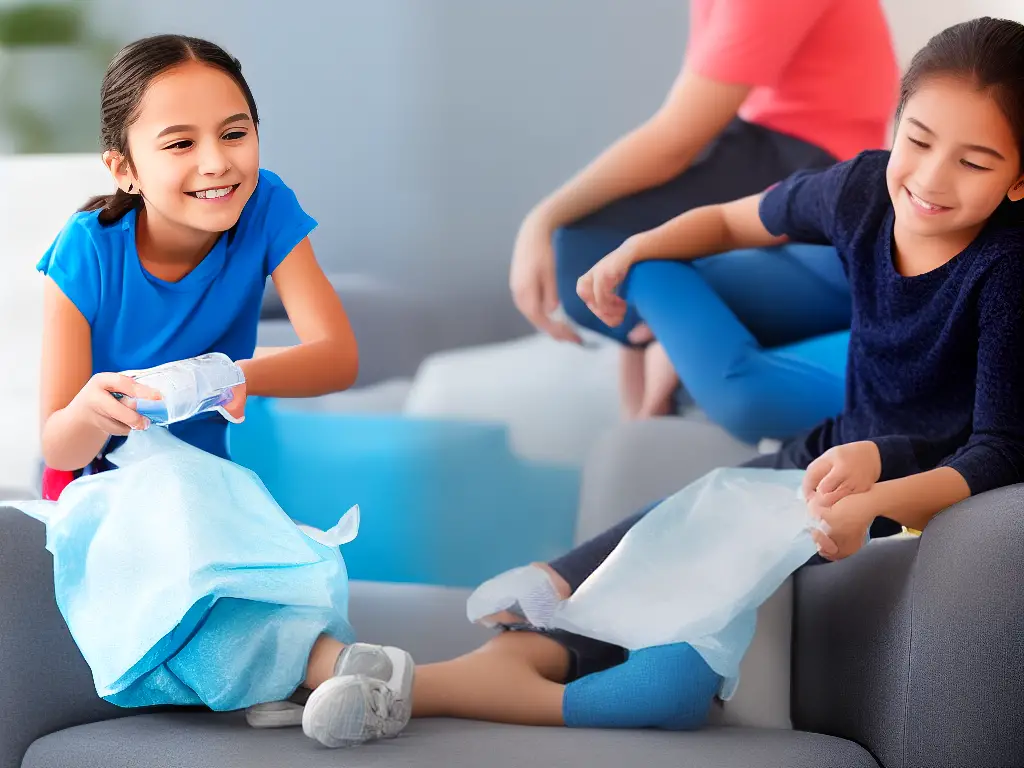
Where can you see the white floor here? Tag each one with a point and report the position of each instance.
(37, 194)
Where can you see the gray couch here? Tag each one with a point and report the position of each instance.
(907, 655)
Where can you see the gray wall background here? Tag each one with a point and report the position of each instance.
(420, 131)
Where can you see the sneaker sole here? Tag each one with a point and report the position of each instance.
(403, 676)
(319, 729)
(278, 714)
(288, 714)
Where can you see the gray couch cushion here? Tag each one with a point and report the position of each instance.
(640, 462)
(429, 622)
(398, 326)
(196, 740)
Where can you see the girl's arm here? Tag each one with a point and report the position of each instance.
(327, 358)
(911, 501)
(67, 443)
(695, 111)
(699, 232)
(704, 232)
(78, 411)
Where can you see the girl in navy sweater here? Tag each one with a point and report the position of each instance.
(931, 235)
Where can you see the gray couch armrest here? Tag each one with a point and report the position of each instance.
(913, 648)
(45, 684)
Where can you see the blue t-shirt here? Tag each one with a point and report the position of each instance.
(139, 321)
(936, 361)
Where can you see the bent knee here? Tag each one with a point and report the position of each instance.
(535, 650)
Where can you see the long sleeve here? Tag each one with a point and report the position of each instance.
(905, 455)
(994, 454)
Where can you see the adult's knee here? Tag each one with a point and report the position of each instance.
(740, 407)
(577, 249)
(770, 402)
(575, 254)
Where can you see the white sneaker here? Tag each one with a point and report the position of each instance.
(353, 709)
(526, 591)
(356, 659)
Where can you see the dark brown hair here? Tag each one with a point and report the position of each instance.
(124, 85)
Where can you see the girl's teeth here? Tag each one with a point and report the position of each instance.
(923, 203)
(208, 194)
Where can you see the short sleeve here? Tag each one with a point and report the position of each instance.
(285, 222)
(73, 263)
(803, 207)
(750, 42)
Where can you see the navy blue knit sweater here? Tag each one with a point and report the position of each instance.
(936, 361)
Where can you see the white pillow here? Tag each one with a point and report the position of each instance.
(556, 398)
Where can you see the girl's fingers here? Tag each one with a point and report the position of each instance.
(816, 472)
(826, 547)
(122, 412)
(112, 427)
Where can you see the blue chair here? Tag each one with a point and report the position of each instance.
(441, 502)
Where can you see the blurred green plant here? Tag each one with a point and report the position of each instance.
(51, 64)
(41, 24)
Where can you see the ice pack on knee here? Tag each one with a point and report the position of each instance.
(696, 567)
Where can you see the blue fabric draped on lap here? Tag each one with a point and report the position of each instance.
(183, 582)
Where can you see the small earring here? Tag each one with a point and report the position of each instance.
(131, 188)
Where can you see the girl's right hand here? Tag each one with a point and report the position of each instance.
(597, 287)
(96, 405)
(842, 471)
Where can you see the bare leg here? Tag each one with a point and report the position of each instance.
(660, 383)
(322, 659)
(631, 381)
(515, 678)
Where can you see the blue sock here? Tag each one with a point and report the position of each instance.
(668, 686)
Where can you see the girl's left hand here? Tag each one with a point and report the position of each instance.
(236, 408)
(848, 521)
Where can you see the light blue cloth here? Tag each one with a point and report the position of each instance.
(696, 568)
(183, 582)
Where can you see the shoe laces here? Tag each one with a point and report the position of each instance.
(379, 704)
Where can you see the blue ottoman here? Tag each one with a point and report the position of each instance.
(441, 502)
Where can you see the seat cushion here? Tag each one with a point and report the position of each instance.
(200, 740)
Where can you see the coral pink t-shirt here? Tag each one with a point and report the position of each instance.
(823, 70)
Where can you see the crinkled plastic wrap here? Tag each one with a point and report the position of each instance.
(183, 582)
(697, 566)
(189, 387)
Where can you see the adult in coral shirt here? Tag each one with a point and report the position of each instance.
(767, 88)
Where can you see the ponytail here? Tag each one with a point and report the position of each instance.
(113, 207)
